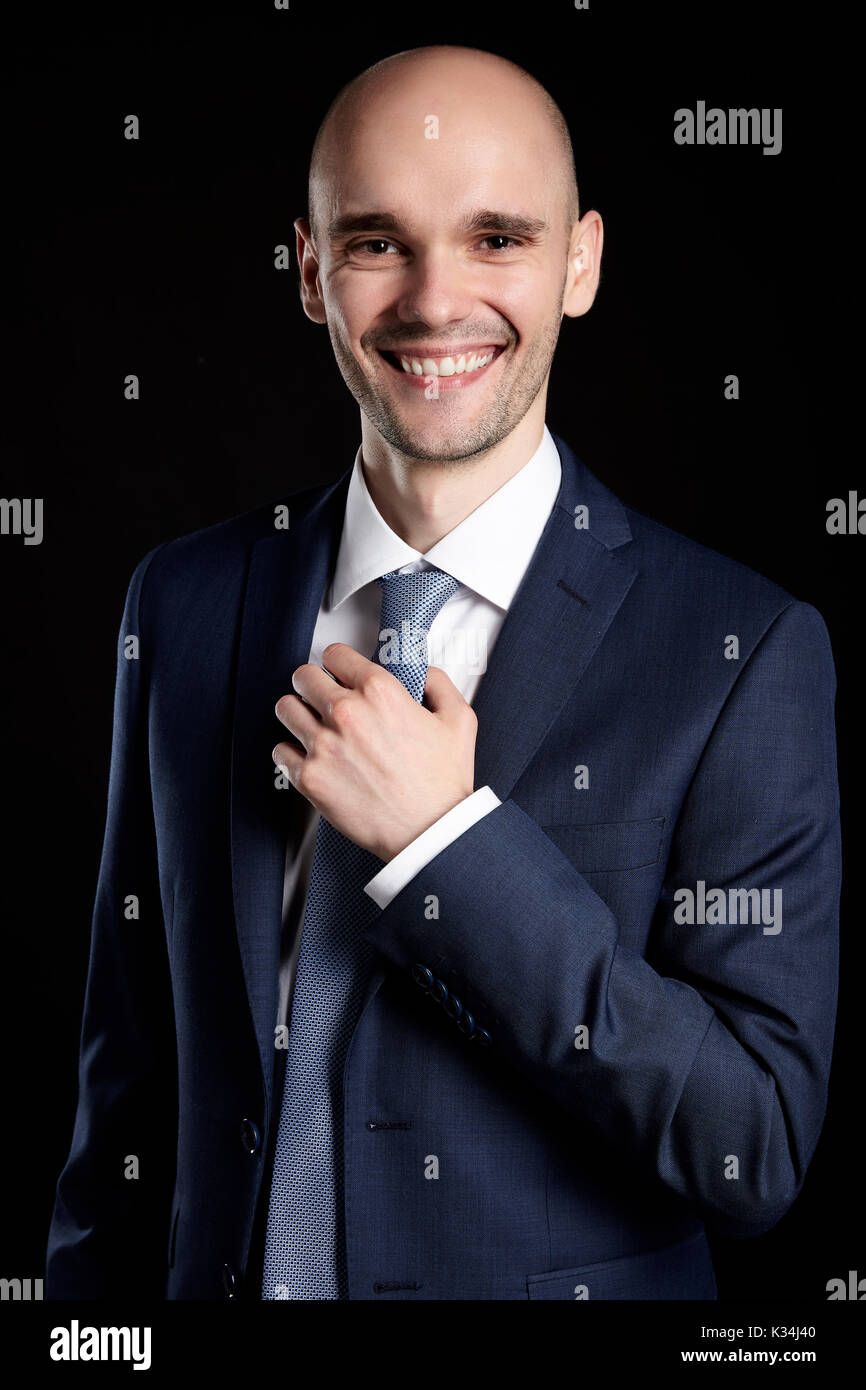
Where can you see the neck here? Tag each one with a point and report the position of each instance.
(422, 500)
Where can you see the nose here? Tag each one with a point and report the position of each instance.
(437, 290)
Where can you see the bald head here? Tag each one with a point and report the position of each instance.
(489, 94)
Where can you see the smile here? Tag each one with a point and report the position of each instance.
(453, 370)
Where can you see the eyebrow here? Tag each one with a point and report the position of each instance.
(484, 220)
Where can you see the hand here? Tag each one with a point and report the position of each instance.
(379, 766)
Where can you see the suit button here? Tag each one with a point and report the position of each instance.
(231, 1281)
(453, 1007)
(422, 976)
(251, 1136)
(466, 1024)
(482, 1037)
(440, 991)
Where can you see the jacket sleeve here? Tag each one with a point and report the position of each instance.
(707, 1060)
(109, 1227)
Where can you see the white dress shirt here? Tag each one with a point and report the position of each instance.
(488, 553)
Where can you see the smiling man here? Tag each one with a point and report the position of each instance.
(414, 1013)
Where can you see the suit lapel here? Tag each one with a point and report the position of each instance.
(289, 572)
(570, 595)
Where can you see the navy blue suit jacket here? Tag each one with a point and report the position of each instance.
(564, 1171)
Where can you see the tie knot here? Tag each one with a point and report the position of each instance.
(410, 602)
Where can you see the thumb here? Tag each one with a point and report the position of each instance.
(441, 695)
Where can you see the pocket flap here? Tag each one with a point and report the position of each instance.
(681, 1271)
(598, 849)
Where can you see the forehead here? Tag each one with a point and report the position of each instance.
(430, 159)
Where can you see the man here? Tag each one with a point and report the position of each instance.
(517, 972)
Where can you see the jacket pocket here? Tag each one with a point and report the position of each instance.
(681, 1271)
(609, 847)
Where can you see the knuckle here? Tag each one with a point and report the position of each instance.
(376, 684)
(307, 776)
(326, 743)
(342, 713)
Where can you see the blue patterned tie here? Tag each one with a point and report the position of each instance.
(305, 1253)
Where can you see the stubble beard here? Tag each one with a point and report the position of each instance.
(505, 411)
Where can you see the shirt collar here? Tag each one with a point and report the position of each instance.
(489, 551)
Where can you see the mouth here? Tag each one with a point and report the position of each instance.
(452, 371)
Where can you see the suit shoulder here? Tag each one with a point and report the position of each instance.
(697, 571)
(221, 551)
(690, 590)
(679, 577)
(238, 532)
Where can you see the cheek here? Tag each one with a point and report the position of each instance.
(335, 313)
(528, 302)
(355, 304)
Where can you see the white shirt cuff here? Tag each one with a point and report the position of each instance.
(389, 881)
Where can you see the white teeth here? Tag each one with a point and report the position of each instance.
(447, 366)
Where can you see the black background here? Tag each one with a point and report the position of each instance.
(155, 257)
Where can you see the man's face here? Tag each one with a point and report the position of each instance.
(443, 295)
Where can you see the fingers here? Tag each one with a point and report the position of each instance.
(317, 693)
(348, 665)
(299, 719)
(288, 759)
(347, 669)
(350, 670)
(315, 687)
(442, 697)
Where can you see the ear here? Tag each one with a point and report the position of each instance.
(584, 265)
(308, 262)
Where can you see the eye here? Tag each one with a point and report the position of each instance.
(373, 241)
(496, 236)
